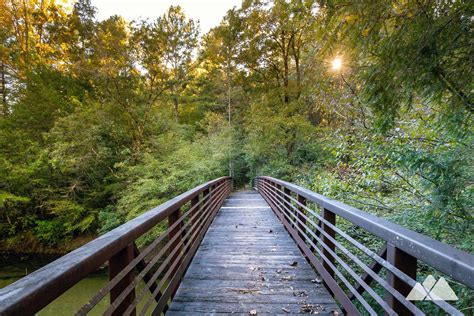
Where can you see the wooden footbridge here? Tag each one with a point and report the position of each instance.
(280, 249)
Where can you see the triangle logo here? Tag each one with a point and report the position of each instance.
(418, 293)
(432, 290)
(442, 291)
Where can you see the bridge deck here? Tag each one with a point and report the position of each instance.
(248, 262)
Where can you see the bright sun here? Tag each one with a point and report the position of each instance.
(337, 64)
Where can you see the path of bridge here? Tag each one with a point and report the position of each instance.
(247, 263)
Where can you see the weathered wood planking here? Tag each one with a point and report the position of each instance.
(247, 261)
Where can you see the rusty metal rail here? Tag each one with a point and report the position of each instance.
(348, 267)
(161, 265)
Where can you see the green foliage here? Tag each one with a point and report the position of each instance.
(11, 199)
(64, 219)
(407, 51)
(188, 163)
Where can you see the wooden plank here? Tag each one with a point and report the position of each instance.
(231, 308)
(247, 261)
(256, 297)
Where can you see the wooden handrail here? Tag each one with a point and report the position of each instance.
(33, 292)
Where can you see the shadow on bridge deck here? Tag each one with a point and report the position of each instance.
(248, 263)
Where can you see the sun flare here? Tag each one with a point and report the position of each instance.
(336, 64)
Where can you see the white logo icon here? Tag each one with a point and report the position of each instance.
(432, 291)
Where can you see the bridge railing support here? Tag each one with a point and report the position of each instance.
(301, 216)
(116, 264)
(177, 227)
(330, 247)
(408, 265)
(350, 269)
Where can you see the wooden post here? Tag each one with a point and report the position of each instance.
(116, 264)
(331, 218)
(407, 264)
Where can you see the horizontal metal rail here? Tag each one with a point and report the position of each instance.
(329, 249)
(171, 251)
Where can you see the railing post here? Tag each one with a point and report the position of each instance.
(278, 194)
(300, 212)
(194, 215)
(287, 201)
(407, 264)
(205, 198)
(197, 209)
(116, 264)
(212, 194)
(331, 218)
(172, 218)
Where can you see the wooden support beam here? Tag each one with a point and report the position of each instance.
(407, 264)
(331, 218)
(301, 212)
(116, 263)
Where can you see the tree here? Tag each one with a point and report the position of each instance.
(410, 52)
(277, 32)
(178, 41)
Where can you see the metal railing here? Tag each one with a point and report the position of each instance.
(349, 268)
(161, 265)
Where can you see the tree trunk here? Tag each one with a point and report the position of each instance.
(3, 87)
(286, 67)
(176, 108)
(296, 56)
(229, 108)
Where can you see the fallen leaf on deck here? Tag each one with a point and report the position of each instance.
(294, 263)
(307, 308)
(300, 293)
(245, 291)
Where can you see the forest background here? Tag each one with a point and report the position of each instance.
(368, 102)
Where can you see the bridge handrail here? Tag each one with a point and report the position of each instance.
(458, 264)
(315, 233)
(36, 290)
